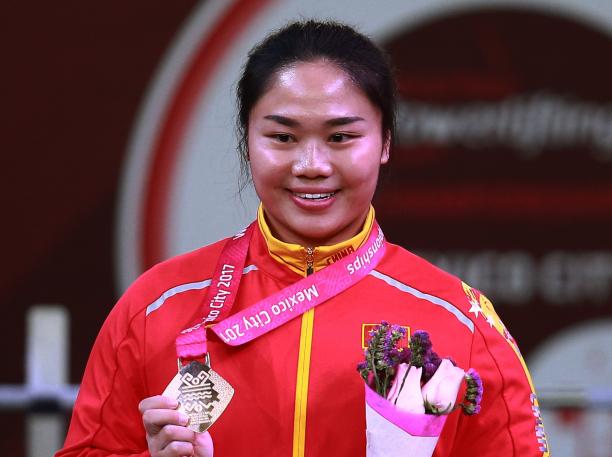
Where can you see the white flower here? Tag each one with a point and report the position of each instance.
(442, 389)
(407, 397)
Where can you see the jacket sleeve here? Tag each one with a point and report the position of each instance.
(105, 420)
(509, 423)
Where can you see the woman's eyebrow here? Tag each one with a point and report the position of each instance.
(335, 122)
(282, 120)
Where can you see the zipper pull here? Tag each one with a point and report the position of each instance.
(309, 261)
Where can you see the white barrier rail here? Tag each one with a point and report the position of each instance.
(24, 397)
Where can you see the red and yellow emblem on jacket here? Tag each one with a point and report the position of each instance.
(367, 328)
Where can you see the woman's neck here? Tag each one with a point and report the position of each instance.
(302, 258)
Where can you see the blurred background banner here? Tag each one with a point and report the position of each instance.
(121, 152)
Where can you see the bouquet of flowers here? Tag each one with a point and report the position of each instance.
(410, 391)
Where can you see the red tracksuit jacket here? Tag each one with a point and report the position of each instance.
(297, 391)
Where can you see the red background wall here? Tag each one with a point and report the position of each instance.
(73, 77)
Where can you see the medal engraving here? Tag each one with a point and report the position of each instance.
(202, 394)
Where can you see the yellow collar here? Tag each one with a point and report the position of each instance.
(297, 257)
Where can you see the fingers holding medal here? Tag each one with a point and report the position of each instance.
(176, 421)
(167, 432)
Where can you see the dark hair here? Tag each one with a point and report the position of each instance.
(366, 64)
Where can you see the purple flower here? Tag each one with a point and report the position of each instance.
(423, 338)
(420, 347)
(430, 364)
(475, 384)
(398, 331)
(473, 392)
(404, 356)
(430, 369)
(382, 356)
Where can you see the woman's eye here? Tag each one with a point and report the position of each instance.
(283, 137)
(339, 137)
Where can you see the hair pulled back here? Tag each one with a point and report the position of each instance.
(366, 64)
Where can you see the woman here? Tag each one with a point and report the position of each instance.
(316, 117)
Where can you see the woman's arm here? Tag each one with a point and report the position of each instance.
(509, 423)
(106, 420)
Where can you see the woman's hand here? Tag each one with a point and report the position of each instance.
(167, 434)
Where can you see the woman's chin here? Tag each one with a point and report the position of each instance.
(316, 226)
(313, 234)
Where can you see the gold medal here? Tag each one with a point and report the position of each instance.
(202, 394)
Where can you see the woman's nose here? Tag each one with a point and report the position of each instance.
(312, 161)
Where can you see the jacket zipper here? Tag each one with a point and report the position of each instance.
(309, 261)
(303, 373)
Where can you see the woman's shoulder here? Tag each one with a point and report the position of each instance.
(417, 273)
(176, 272)
(407, 264)
(431, 281)
(198, 261)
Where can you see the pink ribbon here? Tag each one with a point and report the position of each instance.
(220, 296)
(279, 308)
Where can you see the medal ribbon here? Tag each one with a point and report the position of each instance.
(220, 296)
(280, 307)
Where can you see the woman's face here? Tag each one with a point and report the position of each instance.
(315, 147)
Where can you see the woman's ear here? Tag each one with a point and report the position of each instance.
(384, 158)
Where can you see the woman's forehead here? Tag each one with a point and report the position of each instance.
(311, 88)
(308, 76)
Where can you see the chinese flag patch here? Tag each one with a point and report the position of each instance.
(367, 328)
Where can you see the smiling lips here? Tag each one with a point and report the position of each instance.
(313, 196)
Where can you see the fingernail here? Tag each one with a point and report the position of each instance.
(183, 419)
(173, 403)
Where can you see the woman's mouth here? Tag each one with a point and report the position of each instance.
(314, 197)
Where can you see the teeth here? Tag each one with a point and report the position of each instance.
(314, 196)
